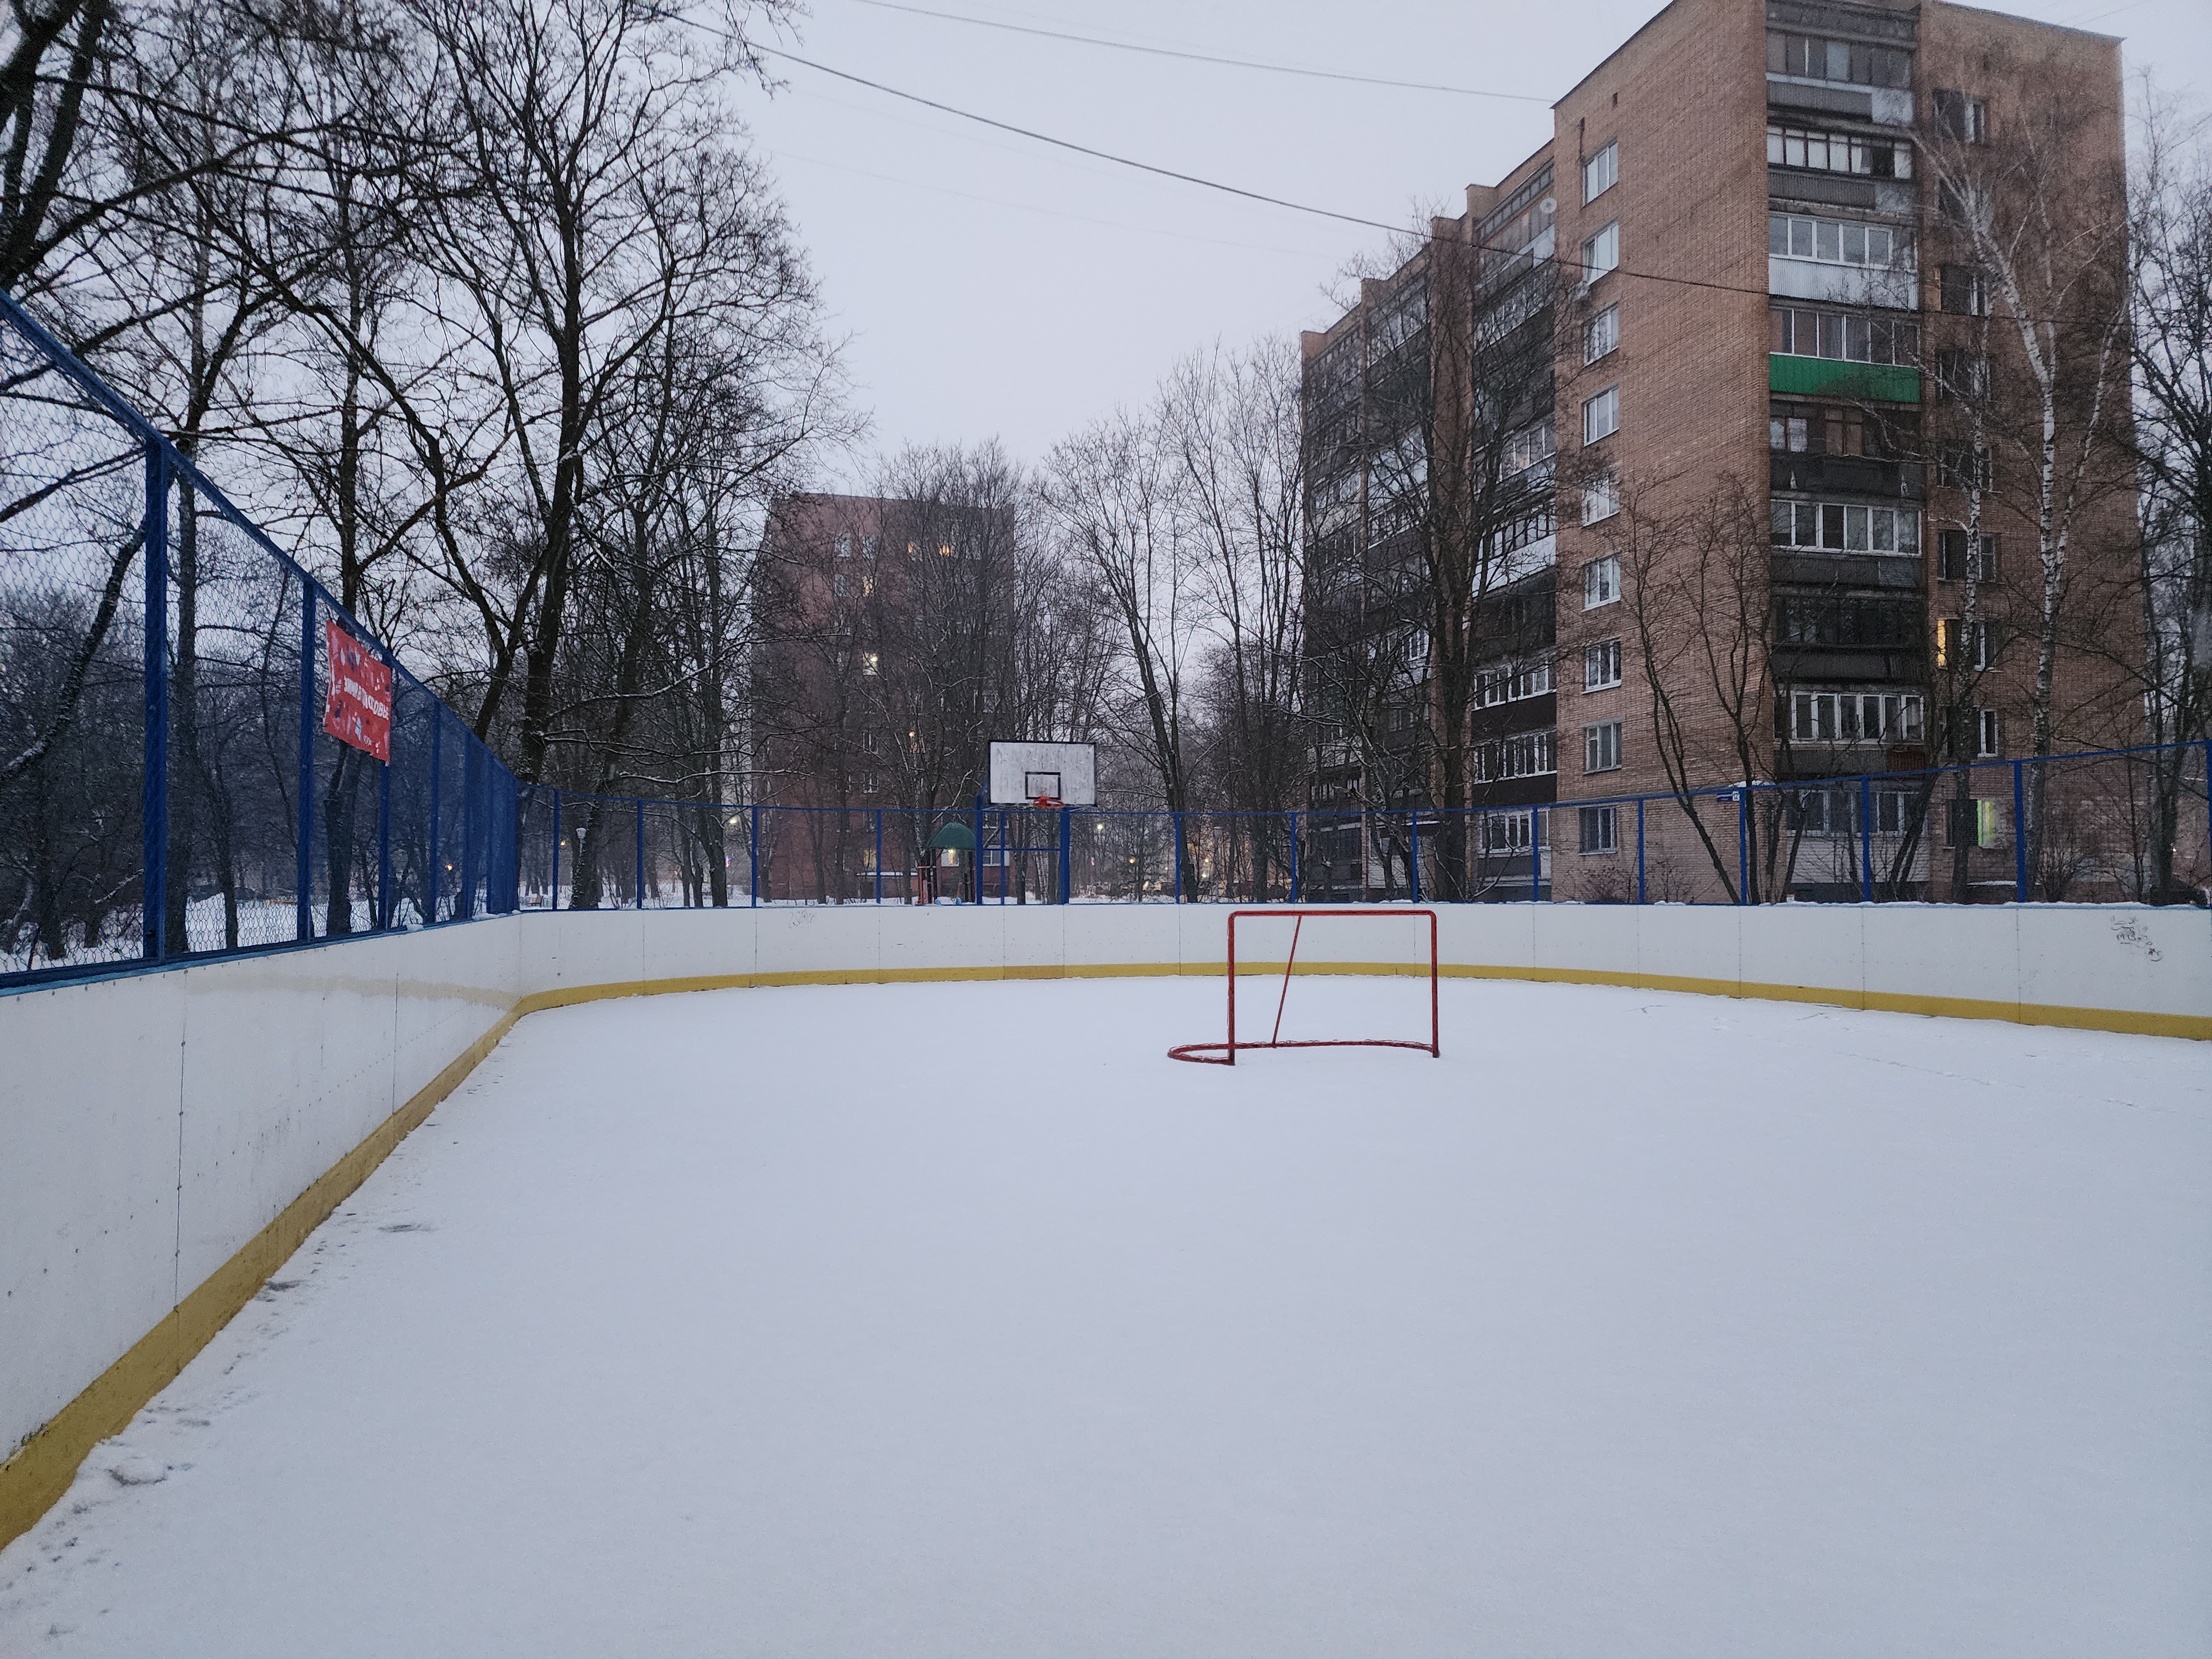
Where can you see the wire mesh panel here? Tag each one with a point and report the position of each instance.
(72, 691)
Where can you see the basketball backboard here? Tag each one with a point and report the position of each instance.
(1021, 773)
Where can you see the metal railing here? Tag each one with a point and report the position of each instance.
(168, 789)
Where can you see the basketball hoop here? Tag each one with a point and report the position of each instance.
(1047, 803)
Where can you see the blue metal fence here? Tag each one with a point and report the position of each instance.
(167, 789)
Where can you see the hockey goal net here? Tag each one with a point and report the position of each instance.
(1385, 923)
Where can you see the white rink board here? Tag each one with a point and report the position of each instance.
(1014, 766)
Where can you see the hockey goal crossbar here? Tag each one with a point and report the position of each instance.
(1224, 1053)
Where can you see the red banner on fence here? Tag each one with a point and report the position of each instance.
(359, 711)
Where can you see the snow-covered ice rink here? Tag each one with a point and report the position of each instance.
(956, 1320)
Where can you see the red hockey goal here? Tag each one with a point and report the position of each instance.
(1224, 1053)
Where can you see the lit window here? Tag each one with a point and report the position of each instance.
(1602, 334)
(869, 662)
(1601, 666)
(1601, 172)
(1601, 414)
(1600, 498)
(1601, 827)
(1601, 746)
(1601, 252)
(1600, 583)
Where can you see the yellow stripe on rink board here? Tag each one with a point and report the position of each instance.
(40, 1471)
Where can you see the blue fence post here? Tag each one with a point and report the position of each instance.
(2019, 833)
(384, 822)
(304, 916)
(752, 856)
(1639, 850)
(1178, 858)
(1415, 870)
(1298, 858)
(1066, 850)
(1535, 858)
(553, 898)
(437, 783)
(640, 854)
(154, 787)
(879, 856)
(1743, 844)
(1866, 841)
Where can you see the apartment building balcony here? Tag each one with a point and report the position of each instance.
(1847, 664)
(1890, 106)
(1888, 572)
(1831, 376)
(1854, 475)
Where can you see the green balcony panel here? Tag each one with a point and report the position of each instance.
(1825, 377)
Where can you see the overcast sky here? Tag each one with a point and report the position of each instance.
(989, 285)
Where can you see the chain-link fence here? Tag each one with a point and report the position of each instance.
(175, 776)
(200, 752)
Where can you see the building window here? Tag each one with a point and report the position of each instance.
(1963, 466)
(867, 743)
(1528, 446)
(1958, 116)
(867, 583)
(1601, 414)
(1858, 621)
(1512, 682)
(837, 584)
(1976, 822)
(1526, 531)
(1959, 646)
(1965, 290)
(1602, 334)
(1990, 730)
(1843, 528)
(1961, 376)
(867, 547)
(1814, 58)
(844, 544)
(1601, 666)
(1600, 583)
(1952, 564)
(1799, 331)
(1854, 717)
(1601, 828)
(1836, 152)
(1601, 497)
(1840, 241)
(1601, 252)
(1600, 173)
(869, 662)
(1531, 755)
(868, 787)
(1506, 832)
(1601, 746)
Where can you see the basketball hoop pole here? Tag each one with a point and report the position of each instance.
(1224, 1053)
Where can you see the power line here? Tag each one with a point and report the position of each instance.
(1194, 179)
(1204, 58)
(1624, 272)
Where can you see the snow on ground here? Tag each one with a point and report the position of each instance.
(956, 1320)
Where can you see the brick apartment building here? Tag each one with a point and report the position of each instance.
(877, 625)
(1767, 504)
